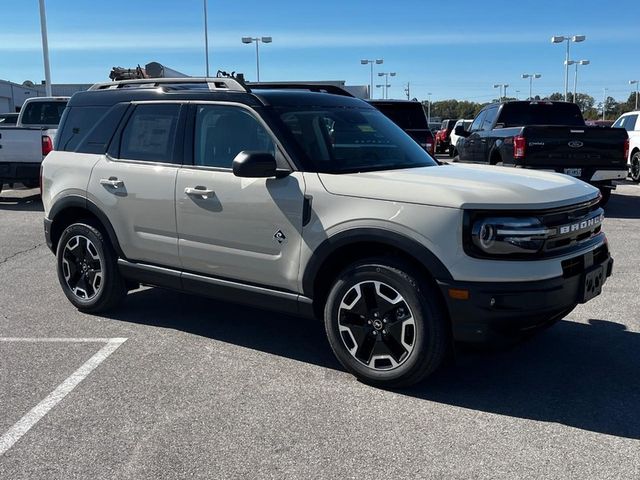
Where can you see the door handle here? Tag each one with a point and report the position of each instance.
(484, 140)
(112, 182)
(199, 191)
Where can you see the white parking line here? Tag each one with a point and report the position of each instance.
(36, 413)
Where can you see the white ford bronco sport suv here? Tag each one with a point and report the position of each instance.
(314, 204)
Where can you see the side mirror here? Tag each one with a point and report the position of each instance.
(461, 132)
(250, 164)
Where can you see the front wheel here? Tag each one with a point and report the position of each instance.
(634, 171)
(88, 270)
(385, 325)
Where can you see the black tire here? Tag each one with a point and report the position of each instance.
(88, 270)
(606, 196)
(411, 328)
(634, 171)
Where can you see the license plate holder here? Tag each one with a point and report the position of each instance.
(592, 283)
(574, 172)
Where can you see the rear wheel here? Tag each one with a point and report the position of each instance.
(384, 325)
(634, 171)
(88, 270)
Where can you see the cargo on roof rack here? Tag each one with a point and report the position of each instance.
(312, 87)
(206, 83)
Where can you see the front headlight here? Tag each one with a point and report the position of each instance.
(508, 235)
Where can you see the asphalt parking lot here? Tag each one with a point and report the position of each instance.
(173, 386)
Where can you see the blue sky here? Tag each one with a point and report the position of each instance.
(455, 49)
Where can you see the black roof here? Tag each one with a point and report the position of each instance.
(280, 97)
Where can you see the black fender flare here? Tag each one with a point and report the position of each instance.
(375, 235)
(77, 201)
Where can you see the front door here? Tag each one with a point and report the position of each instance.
(247, 229)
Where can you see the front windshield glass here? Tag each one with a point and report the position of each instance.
(348, 140)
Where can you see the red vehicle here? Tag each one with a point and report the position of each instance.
(443, 135)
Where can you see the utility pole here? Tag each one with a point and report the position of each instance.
(45, 50)
(408, 92)
(429, 108)
(604, 103)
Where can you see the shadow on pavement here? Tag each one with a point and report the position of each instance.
(585, 376)
(623, 206)
(32, 203)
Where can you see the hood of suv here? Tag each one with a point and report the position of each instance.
(464, 186)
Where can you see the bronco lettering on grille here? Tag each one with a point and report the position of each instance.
(578, 226)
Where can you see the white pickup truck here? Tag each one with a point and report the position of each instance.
(24, 145)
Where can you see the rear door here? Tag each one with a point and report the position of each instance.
(135, 186)
(247, 229)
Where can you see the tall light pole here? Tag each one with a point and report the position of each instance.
(575, 79)
(45, 50)
(604, 103)
(517, 94)
(568, 39)
(531, 76)
(636, 82)
(379, 61)
(383, 86)
(501, 86)
(386, 76)
(257, 41)
(206, 38)
(429, 107)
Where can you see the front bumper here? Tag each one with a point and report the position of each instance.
(496, 310)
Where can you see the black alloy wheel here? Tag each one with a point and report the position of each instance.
(386, 323)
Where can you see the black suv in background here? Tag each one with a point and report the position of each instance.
(410, 116)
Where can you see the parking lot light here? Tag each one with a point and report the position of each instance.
(501, 86)
(636, 83)
(575, 79)
(386, 76)
(568, 39)
(257, 41)
(531, 76)
(378, 61)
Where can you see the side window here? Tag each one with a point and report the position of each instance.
(619, 123)
(150, 133)
(221, 132)
(489, 118)
(631, 124)
(477, 123)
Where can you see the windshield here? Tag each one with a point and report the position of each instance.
(348, 140)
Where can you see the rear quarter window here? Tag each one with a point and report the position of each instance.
(78, 122)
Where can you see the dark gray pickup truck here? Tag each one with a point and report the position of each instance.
(546, 136)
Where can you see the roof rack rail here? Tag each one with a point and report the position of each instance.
(210, 83)
(312, 87)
